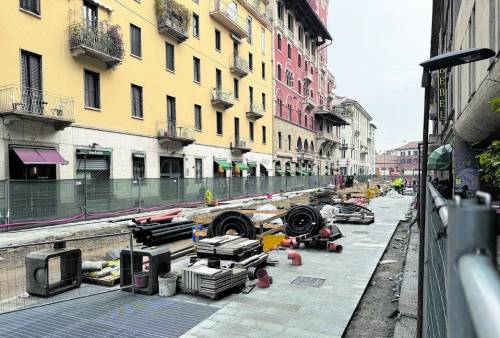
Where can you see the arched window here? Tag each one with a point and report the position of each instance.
(279, 72)
(312, 147)
(299, 144)
(306, 146)
(299, 86)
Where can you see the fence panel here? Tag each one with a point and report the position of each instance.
(13, 267)
(435, 271)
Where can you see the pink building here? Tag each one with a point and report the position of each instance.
(303, 85)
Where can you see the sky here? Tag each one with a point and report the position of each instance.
(375, 56)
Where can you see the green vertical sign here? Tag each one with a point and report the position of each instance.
(442, 95)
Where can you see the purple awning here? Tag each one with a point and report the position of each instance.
(39, 156)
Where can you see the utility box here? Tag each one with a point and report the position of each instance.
(157, 259)
(39, 271)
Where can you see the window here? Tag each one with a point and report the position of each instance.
(250, 62)
(135, 41)
(197, 117)
(299, 60)
(219, 123)
(170, 56)
(218, 78)
(280, 108)
(280, 10)
(263, 70)
(250, 131)
(196, 25)
(196, 70)
(137, 101)
(198, 167)
(279, 72)
(264, 135)
(172, 115)
(472, 44)
(289, 142)
(31, 5)
(279, 41)
(250, 94)
(263, 41)
(236, 88)
(279, 139)
(290, 51)
(301, 34)
(299, 86)
(290, 22)
(217, 40)
(263, 101)
(249, 28)
(138, 166)
(92, 94)
(90, 14)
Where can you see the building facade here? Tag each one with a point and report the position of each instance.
(135, 89)
(408, 158)
(460, 112)
(387, 164)
(304, 88)
(356, 148)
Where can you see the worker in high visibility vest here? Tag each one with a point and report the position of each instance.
(398, 185)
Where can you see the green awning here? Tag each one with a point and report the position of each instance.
(252, 164)
(223, 164)
(291, 172)
(241, 165)
(440, 159)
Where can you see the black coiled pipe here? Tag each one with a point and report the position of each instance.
(303, 219)
(239, 223)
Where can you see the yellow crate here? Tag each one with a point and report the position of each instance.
(269, 242)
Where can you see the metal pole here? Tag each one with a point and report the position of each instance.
(85, 186)
(426, 83)
(131, 244)
(7, 196)
(139, 181)
(471, 229)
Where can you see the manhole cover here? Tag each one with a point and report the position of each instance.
(309, 281)
(360, 232)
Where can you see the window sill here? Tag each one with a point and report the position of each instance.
(196, 36)
(198, 130)
(220, 135)
(136, 56)
(197, 82)
(138, 118)
(36, 15)
(92, 108)
(172, 71)
(218, 50)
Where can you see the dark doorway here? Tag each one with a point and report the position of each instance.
(31, 82)
(171, 167)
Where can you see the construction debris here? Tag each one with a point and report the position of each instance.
(353, 213)
(235, 248)
(234, 221)
(393, 194)
(303, 219)
(154, 234)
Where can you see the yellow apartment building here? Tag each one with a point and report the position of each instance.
(130, 88)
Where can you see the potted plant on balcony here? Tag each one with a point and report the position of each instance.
(166, 9)
(115, 34)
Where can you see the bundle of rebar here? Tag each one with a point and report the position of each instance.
(153, 234)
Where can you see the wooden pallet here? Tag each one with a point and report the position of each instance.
(109, 280)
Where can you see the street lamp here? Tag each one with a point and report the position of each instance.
(438, 62)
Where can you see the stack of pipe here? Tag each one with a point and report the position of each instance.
(153, 234)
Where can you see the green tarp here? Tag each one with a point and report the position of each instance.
(224, 164)
(252, 164)
(440, 159)
(241, 165)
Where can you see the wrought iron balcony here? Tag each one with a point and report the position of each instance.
(309, 102)
(308, 77)
(222, 98)
(171, 24)
(239, 66)
(255, 111)
(103, 43)
(240, 144)
(225, 13)
(258, 10)
(31, 104)
(171, 131)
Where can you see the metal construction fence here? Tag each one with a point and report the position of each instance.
(461, 281)
(37, 203)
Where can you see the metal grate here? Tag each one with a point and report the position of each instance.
(309, 281)
(111, 315)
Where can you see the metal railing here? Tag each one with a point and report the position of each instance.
(97, 39)
(172, 24)
(240, 143)
(324, 135)
(255, 109)
(223, 95)
(174, 130)
(228, 10)
(17, 100)
(461, 295)
(239, 64)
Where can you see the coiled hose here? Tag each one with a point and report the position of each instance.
(240, 223)
(303, 219)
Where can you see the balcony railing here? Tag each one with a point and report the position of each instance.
(308, 77)
(326, 136)
(32, 104)
(257, 9)
(172, 25)
(239, 66)
(226, 13)
(241, 145)
(222, 97)
(309, 102)
(103, 43)
(171, 131)
(255, 111)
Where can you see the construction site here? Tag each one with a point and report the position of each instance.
(293, 264)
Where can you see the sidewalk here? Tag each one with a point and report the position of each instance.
(289, 310)
(407, 323)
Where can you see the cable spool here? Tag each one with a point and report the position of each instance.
(232, 221)
(303, 219)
